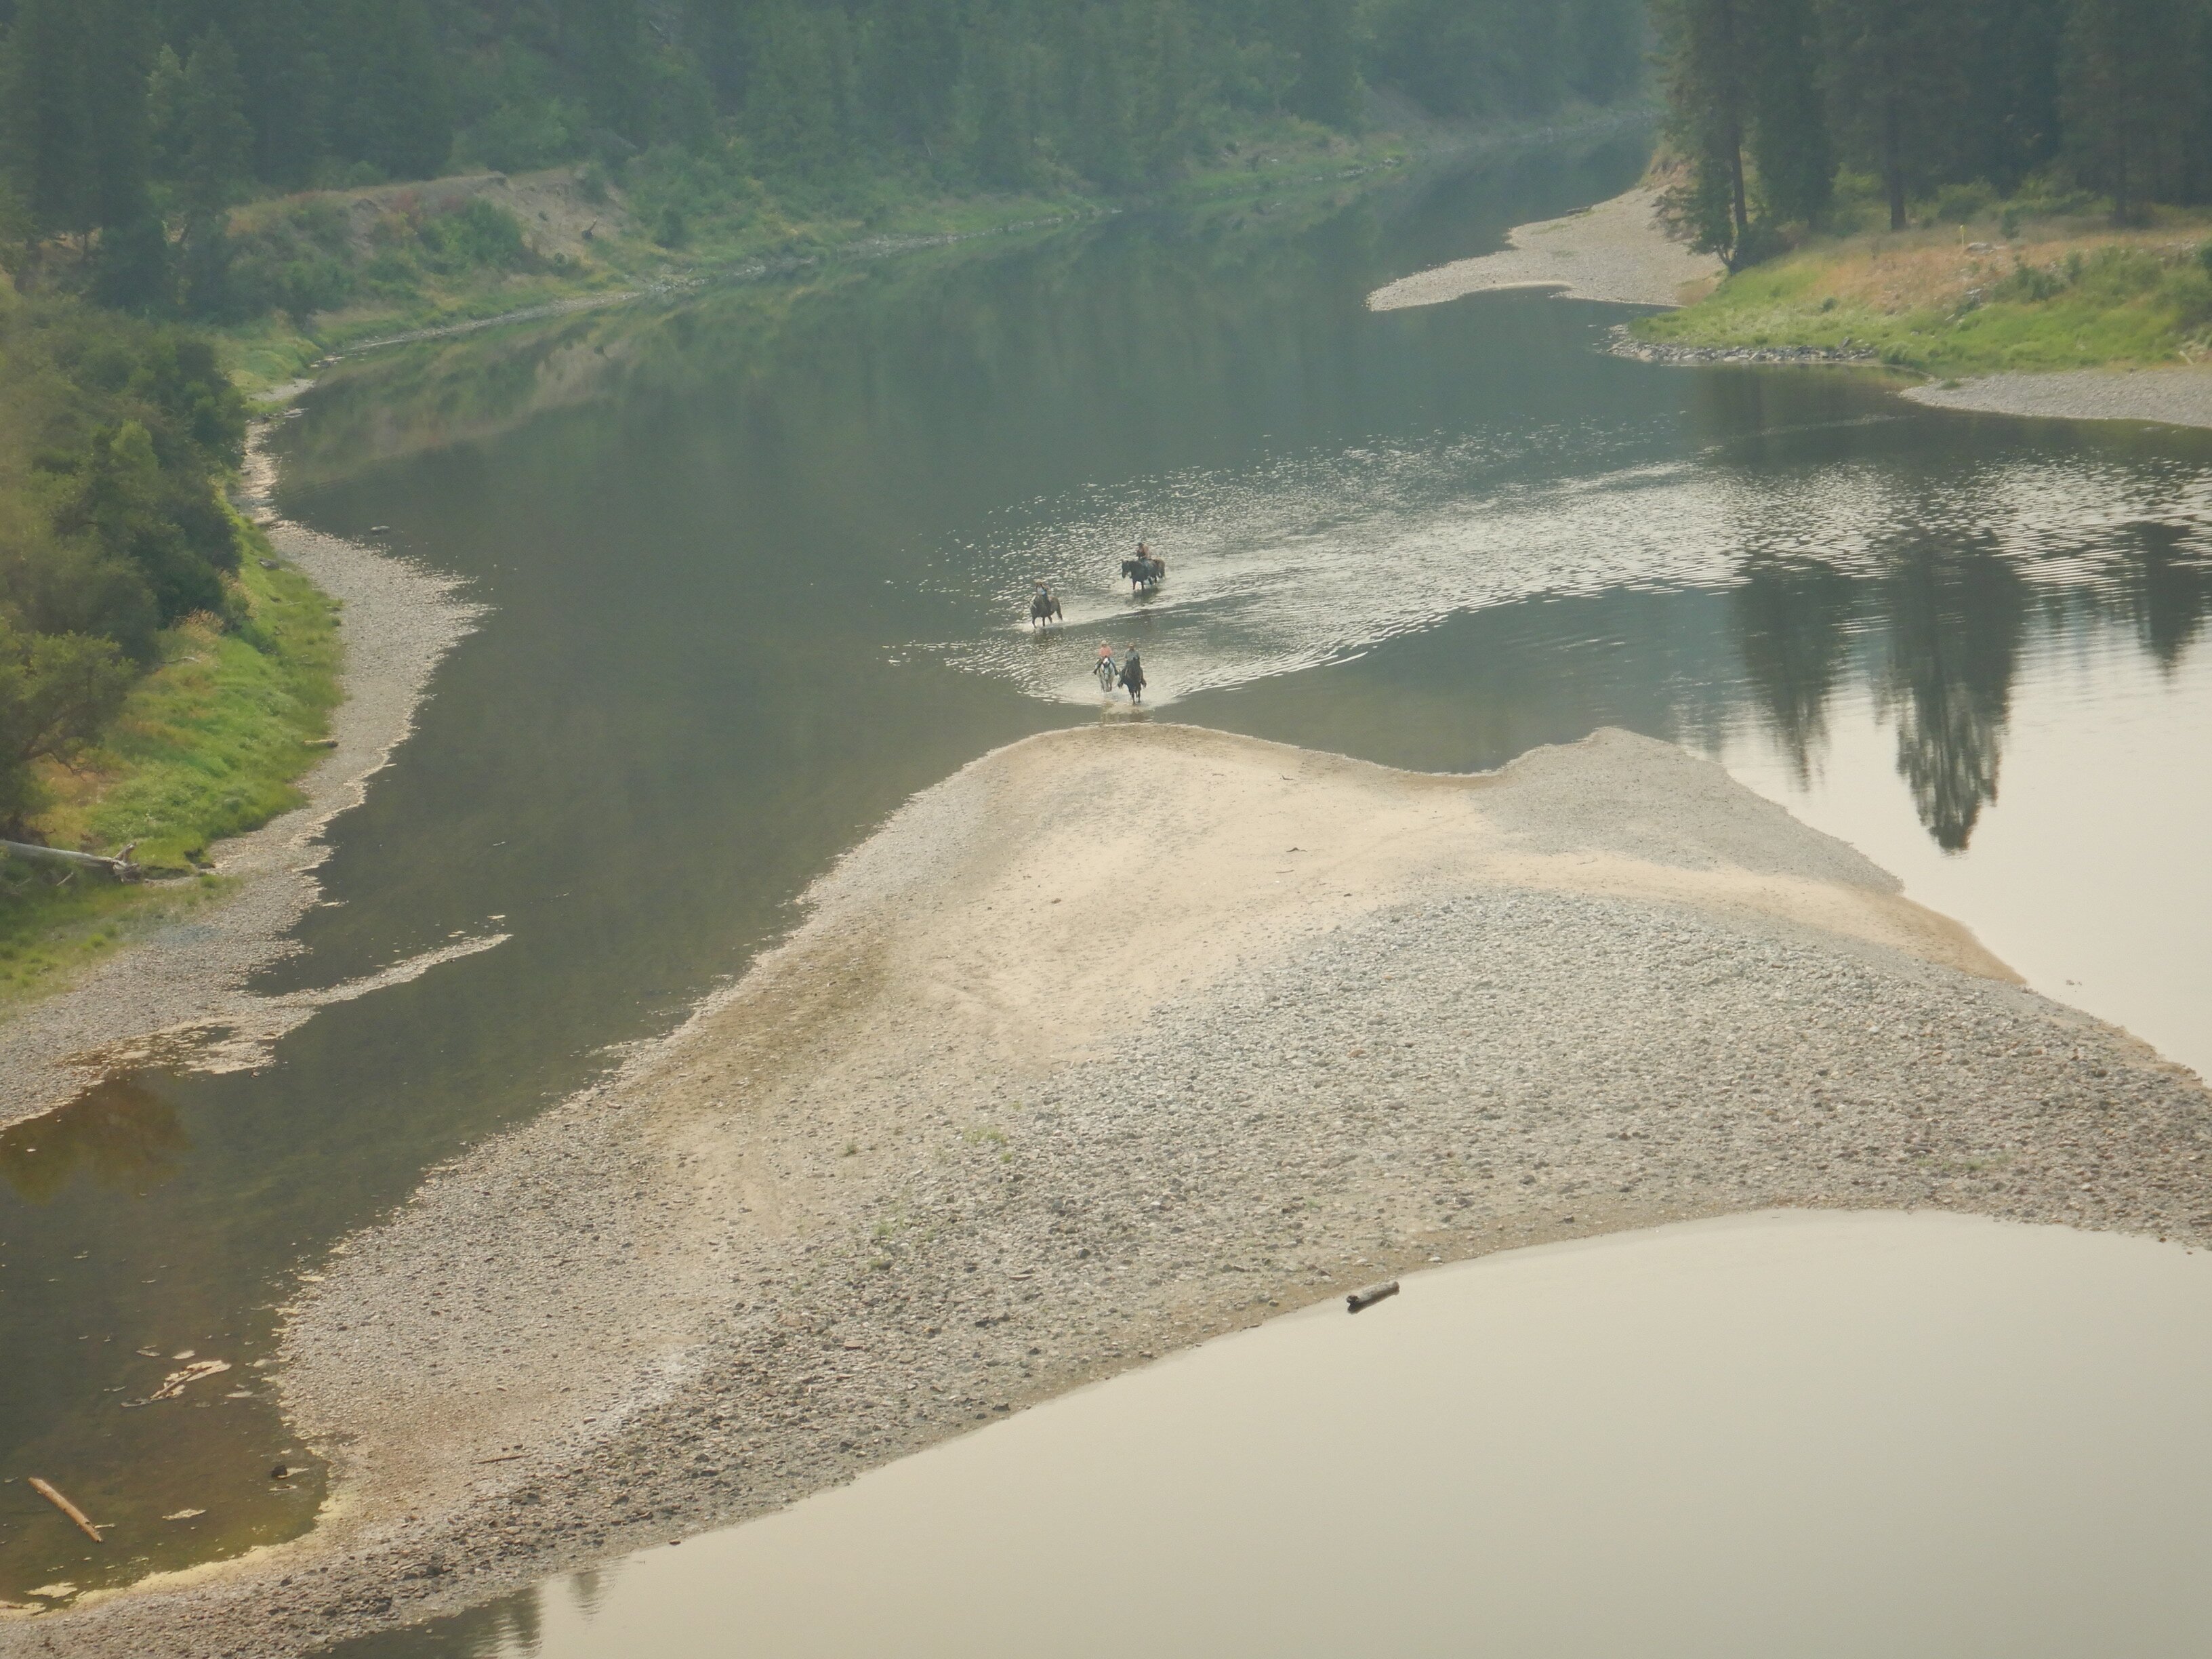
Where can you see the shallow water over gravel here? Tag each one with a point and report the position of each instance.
(1787, 1432)
(755, 565)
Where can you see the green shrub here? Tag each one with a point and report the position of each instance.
(1955, 204)
(476, 234)
(2027, 284)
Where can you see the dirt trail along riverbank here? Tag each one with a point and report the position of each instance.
(1120, 1037)
(179, 996)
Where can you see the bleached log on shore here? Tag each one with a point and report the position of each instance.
(122, 869)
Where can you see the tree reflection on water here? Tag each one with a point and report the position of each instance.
(1793, 619)
(1954, 612)
(1944, 618)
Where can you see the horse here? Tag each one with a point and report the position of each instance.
(1131, 676)
(1043, 609)
(1144, 575)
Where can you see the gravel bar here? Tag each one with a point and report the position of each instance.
(2168, 397)
(1614, 251)
(1035, 1094)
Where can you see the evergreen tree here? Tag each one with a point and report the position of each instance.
(165, 102)
(214, 139)
(1788, 127)
(45, 146)
(2129, 70)
(913, 70)
(1328, 86)
(1003, 93)
(1102, 136)
(797, 98)
(603, 41)
(1893, 74)
(288, 86)
(2009, 126)
(1709, 53)
(393, 109)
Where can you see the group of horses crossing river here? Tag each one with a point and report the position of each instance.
(1144, 570)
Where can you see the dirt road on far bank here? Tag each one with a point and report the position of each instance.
(1121, 1037)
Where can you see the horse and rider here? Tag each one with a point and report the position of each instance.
(1043, 608)
(1128, 672)
(1144, 569)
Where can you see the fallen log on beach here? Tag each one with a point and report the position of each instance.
(120, 868)
(1367, 1299)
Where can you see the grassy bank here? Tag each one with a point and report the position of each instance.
(208, 743)
(1995, 294)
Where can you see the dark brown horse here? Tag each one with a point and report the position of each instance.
(1144, 573)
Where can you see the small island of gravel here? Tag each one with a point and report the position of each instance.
(1031, 1097)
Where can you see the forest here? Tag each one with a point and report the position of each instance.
(128, 128)
(1797, 113)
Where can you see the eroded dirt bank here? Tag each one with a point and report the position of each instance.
(1121, 1037)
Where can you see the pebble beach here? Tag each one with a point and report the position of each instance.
(1025, 1101)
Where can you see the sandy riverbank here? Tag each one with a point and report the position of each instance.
(1032, 1097)
(2171, 397)
(179, 996)
(1614, 251)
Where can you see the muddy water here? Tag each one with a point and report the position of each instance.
(756, 564)
(1814, 1434)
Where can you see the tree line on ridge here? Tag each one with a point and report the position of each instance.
(1779, 108)
(131, 126)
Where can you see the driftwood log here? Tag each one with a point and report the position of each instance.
(47, 1492)
(121, 868)
(1369, 1297)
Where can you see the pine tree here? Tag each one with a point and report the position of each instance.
(288, 86)
(1328, 86)
(914, 69)
(1002, 94)
(2129, 70)
(797, 100)
(1893, 73)
(1788, 127)
(393, 108)
(603, 42)
(215, 139)
(45, 146)
(1708, 57)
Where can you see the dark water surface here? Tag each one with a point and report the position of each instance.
(756, 564)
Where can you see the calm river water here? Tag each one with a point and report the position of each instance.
(755, 563)
(1827, 1436)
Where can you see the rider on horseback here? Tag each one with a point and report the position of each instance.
(1133, 674)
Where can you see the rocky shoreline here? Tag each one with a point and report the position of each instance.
(179, 996)
(1619, 342)
(1026, 1102)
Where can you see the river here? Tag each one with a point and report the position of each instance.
(755, 560)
